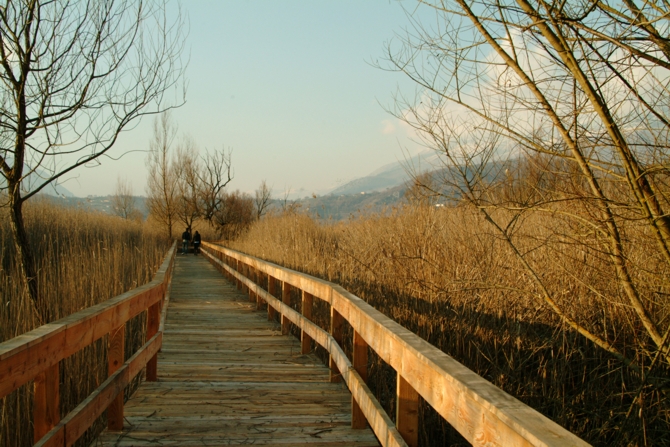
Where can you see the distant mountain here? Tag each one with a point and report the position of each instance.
(98, 203)
(56, 191)
(35, 179)
(345, 206)
(390, 175)
(387, 187)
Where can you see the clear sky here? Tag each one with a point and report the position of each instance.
(289, 86)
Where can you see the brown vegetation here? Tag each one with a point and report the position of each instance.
(83, 259)
(447, 275)
(185, 188)
(62, 107)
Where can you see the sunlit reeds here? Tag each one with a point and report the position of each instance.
(83, 258)
(444, 274)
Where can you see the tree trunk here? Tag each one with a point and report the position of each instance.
(24, 255)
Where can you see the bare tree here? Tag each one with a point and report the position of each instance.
(235, 214)
(74, 75)
(262, 199)
(558, 109)
(162, 188)
(189, 187)
(123, 201)
(215, 174)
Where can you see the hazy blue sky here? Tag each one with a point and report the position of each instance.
(289, 86)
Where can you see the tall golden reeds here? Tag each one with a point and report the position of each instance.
(83, 258)
(444, 274)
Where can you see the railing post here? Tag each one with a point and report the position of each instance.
(243, 270)
(306, 340)
(238, 268)
(226, 260)
(46, 405)
(115, 358)
(360, 363)
(257, 279)
(336, 322)
(247, 274)
(286, 299)
(153, 322)
(407, 412)
(251, 274)
(271, 291)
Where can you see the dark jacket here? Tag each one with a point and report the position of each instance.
(186, 236)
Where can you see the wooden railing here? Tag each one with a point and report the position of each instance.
(35, 355)
(482, 413)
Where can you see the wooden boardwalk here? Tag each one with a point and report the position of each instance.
(228, 377)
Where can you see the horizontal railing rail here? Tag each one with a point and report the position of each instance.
(35, 356)
(482, 413)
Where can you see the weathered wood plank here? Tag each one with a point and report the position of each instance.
(379, 421)
(115, 358)
(407, 412)
(286, 299)
(307, 306)
(24, 357)
(46, 403)
(227, 376)
(153, 323)
(336, 328)
(481, 412)
(360, 363)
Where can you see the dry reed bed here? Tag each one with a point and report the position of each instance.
(445, 275)
(83, 259)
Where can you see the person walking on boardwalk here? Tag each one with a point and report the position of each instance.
(185, 239)
(196, 243)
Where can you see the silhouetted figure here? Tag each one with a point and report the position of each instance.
(185, 240)
(196, 243)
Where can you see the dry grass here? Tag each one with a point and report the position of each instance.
(83, 259)
(445, 275)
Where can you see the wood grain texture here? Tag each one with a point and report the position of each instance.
(379, 421)
(24, 357)
(75, 424)
(481, 412)
(153, 323)
(307, 306)
(336, 329)
(359, 361)
(227, 376)
(272, 291)
(286, 299)
(407, 412)
(46, 403)
(116, 358)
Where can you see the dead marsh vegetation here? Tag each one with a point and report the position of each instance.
(445, 274)
(83, 258)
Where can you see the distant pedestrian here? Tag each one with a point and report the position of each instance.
(196, 243)
(185, 240)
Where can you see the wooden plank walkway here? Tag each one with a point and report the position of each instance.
(228, 377)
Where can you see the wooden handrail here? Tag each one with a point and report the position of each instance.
(380, 422)
(482, 413)
(34, 356)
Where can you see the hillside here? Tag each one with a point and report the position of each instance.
(341, 207)
(96, 203)
(389, 176)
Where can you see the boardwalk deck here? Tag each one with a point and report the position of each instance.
(227, 377)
